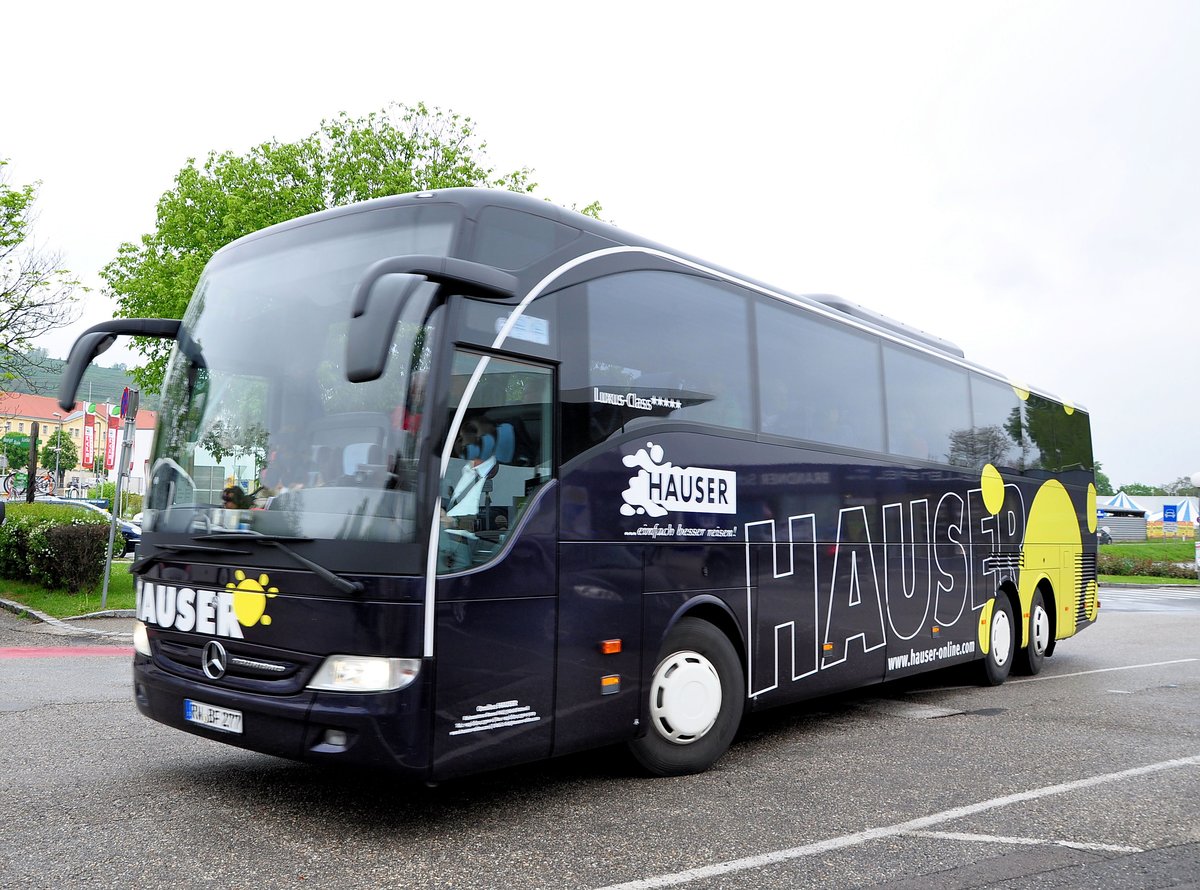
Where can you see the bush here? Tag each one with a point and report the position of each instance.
(1125, 564)
(59, 547)
(68, 557)
(131, 503)
(14, 544)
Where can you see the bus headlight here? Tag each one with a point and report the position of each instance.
(141, 639)
(362, 673)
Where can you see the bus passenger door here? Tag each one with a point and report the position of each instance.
(496, 605)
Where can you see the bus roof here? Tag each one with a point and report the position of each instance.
(601, 234)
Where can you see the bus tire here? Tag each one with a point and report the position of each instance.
(1002, 641)
(1030, 658)
(695, 703)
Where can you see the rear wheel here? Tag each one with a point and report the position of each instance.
(1031, 657)
(695, 703)
(1002, 641)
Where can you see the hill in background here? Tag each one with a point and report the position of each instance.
(42, 376)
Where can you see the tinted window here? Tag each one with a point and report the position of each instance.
(660, 346)
(818, 380)
(1041, 418)
(1074, 437)
(928, 405)
(534, 331)
(500, 456)
(997, 435)
(512, 239)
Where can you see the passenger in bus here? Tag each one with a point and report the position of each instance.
(486, 439)
(905, 437)
(832, 427)
(234, 498)
(329, 466)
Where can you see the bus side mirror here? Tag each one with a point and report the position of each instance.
(98, 338)
(388, 284)
(369, 338)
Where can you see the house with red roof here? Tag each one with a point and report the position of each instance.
(20, 411)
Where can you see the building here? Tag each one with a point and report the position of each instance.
(19, 411)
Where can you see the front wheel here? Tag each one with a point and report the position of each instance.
(696, 700)
(1002, 641)
(1031, 658)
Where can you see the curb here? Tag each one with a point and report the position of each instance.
(1104, 584)
(64, 625)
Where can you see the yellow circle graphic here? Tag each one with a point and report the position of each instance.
(250, 598)
(1021, 390)
(1091, 508)
(993, 489)
(1068, 407)
(1053, 549)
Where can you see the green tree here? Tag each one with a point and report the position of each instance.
(1103, 484)
(1134, 488)
(36, 294)
(67, 458)
(16, 450)
(396, 150)
(1182, 486)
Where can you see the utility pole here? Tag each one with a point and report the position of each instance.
(129, 407)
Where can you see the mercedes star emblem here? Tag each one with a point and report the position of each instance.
(214, 660)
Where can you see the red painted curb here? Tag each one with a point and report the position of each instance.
(53, 651)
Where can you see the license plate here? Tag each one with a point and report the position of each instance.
(220, 719)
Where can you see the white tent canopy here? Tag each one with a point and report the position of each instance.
(1185, 511)
(1121, 501)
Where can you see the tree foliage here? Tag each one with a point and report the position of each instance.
(36, 294)
(396, 150)
(1136, 488)
(1103, 483)
(1183, 486)
(67, 459)
(16, 449)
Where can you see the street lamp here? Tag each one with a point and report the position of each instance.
(57, 451)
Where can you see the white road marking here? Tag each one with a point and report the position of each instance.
(909, 827)
(1018, 680)
(1128, 667)
(1024, 841)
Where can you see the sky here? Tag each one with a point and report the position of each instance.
(1016, 177)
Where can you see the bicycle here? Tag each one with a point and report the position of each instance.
(17, 484)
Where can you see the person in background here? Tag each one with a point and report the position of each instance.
(234, 498)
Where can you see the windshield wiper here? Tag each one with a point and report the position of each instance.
(277, 541)
(165, 550)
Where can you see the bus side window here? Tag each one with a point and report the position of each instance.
(500, 456)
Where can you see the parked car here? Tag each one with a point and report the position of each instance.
(130, 531)
(1103, 536)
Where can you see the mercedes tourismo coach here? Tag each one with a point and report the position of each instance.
(525, 484)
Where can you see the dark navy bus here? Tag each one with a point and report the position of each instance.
(527, 484)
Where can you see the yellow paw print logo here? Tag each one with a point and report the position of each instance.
(250, 598)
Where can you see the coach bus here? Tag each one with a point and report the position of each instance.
(528, 484)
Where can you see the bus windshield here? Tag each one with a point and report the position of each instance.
(259, 428)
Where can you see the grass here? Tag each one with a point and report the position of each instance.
(1148, 580)
(60, 604)
(1160, 551)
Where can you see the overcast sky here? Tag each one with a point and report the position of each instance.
(1019, 177)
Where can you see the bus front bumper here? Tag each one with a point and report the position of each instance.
(381, 730)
